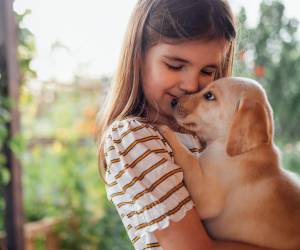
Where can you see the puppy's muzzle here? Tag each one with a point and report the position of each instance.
(177, 106)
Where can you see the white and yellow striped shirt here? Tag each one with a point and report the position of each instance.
(144, 183)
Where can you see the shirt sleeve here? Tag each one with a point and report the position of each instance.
(144, 183)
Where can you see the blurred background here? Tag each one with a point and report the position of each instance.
(67, 53)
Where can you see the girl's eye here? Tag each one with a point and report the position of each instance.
(209, 96)
(209, 72)
(174, 67)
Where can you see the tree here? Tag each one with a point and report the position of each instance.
(26, 49)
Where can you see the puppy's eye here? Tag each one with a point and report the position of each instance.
(209, 96)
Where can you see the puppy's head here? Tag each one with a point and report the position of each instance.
(235, 109)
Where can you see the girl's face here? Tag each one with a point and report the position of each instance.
(172, 70)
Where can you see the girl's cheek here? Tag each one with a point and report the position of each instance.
(165, 77)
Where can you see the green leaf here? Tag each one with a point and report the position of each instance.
(2, 159)
(17, 144)
(4, 175)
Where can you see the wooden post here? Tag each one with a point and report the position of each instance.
(13, 192)
(43, 228)
(52, 241)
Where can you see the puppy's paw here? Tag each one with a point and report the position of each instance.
(166, 131)
(170, 136)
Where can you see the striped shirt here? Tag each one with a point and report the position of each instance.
(144, 183)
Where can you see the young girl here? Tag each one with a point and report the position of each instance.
(172, 48)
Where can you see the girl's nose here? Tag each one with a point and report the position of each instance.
(190, 85)
(194, 85)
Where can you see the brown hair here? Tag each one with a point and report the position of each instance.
(154, 21)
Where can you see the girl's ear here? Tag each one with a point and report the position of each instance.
(249, 128)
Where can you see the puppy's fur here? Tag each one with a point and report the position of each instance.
(237, 184)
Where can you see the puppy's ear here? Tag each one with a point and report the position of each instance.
(249, 128)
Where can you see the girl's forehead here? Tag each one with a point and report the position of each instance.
(191, 50)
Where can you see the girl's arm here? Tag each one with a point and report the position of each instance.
(227, 245)
(189, 234)
(186, 234)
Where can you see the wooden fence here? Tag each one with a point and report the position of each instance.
(42, 229)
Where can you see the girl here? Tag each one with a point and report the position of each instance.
(172, 48)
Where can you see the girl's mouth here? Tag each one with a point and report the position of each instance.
(173, 96)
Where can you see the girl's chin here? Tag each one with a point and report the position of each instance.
(165, 115)
(168, 112)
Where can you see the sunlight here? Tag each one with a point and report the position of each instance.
(83, 38)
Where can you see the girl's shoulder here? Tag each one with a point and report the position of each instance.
(132, 124)
(132, 131)
(138, 129)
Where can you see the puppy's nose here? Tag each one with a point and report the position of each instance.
(174, 103)
(180, 111)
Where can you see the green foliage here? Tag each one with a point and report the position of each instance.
(290, 157)
(273, 58)
(86, 232)
(14, 144)
(26, 48)
(4, 119)
(111, 230)
(61, 160)
(4, 173)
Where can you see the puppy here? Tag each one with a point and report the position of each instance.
(237, 184)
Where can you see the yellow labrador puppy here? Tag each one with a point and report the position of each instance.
(237, 184)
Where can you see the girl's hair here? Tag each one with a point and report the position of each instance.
(168, 21)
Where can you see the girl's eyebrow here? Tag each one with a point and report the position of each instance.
(177, 59)
(188, 62)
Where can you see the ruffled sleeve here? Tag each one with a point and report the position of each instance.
(144, 183)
